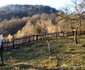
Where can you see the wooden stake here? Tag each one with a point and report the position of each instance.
(48, 45)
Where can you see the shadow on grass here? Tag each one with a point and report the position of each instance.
(57, 52)
(21, 67)
(30, 67)
(3, 64)
(72, 52)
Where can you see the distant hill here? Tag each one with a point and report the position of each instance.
(36, 19)
(19, 11)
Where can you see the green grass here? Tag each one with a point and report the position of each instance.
(64, 53)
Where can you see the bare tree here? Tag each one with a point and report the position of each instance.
(82, 5)
(78, 8)
(76, 18)
(71, 19)
(79, 12)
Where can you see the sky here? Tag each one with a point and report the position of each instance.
(52, 3)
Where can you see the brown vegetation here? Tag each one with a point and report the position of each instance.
(12, 26)
(39, 24)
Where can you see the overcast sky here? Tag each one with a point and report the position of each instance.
(53, 3)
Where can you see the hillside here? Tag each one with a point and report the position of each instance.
(39, 24)
(36, 19)
(44, 23)
(13, 25)
(35, 50)
(9, 11)
(15, 17)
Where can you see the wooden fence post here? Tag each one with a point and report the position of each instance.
(2, 54)
(33, 38)
(13, 42)
(36, 37)
(56, 34)
(75, 36)
(48, 44)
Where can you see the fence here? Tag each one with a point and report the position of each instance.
(6, 44)
(32, 39)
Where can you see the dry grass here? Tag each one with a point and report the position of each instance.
(65, 54)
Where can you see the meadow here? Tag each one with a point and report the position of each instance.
(64, 55)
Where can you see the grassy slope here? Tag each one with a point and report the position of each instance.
(63, 53)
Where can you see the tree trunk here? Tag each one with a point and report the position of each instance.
(80, 24)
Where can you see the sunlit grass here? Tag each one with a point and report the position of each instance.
(64, 52)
